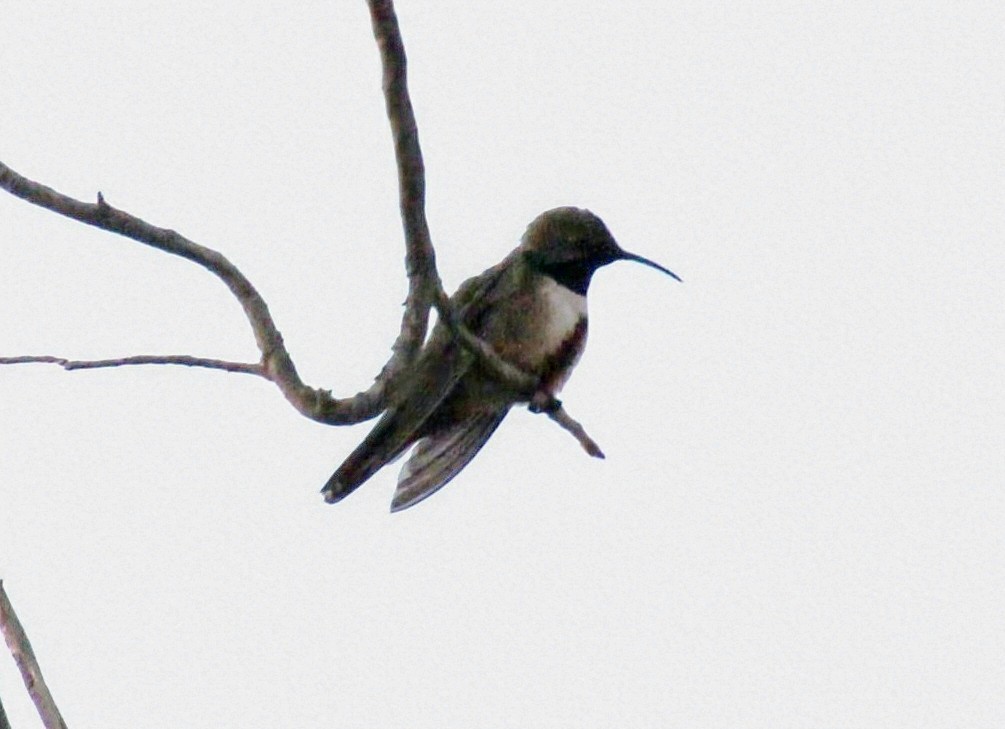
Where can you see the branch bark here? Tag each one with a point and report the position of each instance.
(20, 647)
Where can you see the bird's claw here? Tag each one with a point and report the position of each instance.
(544, 402)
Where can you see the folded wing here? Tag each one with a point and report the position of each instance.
(439, 457)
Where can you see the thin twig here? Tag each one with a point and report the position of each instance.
(20, 647)
(545, 402)
(573, 426)
(249, 368)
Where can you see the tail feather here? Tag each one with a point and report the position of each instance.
(385, 443)
(437, 374)
(439, 457)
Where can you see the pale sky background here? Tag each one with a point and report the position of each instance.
(800, 520)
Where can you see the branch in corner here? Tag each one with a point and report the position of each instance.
(20, 648)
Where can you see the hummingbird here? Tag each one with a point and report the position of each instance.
(531, 308)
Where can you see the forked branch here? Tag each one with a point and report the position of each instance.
(275, 363)
(424, 290)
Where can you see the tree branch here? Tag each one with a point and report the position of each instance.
(20, 647)
(276, 363)
(249, 368)
(545, 402)
(424, 291)
(566, 421)
(420, 259)
(4, 723)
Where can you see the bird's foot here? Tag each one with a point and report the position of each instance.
(544, 402)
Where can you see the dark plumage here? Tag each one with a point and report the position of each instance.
(531, 308)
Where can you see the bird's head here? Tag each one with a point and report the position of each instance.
(569, 244)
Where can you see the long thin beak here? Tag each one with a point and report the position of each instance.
(626, 256)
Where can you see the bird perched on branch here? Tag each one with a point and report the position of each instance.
(531, 309)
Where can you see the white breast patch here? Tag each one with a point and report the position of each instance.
(565, 308)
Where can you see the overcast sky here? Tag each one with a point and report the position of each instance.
(799, 522)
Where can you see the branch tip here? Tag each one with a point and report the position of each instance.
(552, 407)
